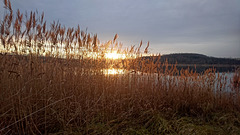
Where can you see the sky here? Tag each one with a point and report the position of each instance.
(210, 27)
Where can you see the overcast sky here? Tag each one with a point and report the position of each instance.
(210, 27)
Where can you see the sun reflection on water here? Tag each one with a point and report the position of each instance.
(113, 71)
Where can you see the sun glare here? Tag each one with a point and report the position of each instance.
(115, 55)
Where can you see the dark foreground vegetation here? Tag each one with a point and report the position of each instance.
(49, 84)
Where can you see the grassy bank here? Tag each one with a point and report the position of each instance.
(151, 122)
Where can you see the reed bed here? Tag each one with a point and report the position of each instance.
(52, 81)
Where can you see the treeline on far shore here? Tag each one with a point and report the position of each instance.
(198, 62)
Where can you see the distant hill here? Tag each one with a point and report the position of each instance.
(202, 62)
(194, 58)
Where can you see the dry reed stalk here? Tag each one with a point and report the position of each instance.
(41, 94)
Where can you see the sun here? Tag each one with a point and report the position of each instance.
(111, 55)
(114, 55)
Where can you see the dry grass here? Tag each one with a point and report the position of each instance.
(49, 85)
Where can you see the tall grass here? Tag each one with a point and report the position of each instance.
(51, 84)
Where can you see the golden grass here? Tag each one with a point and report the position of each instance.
(49, 84)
